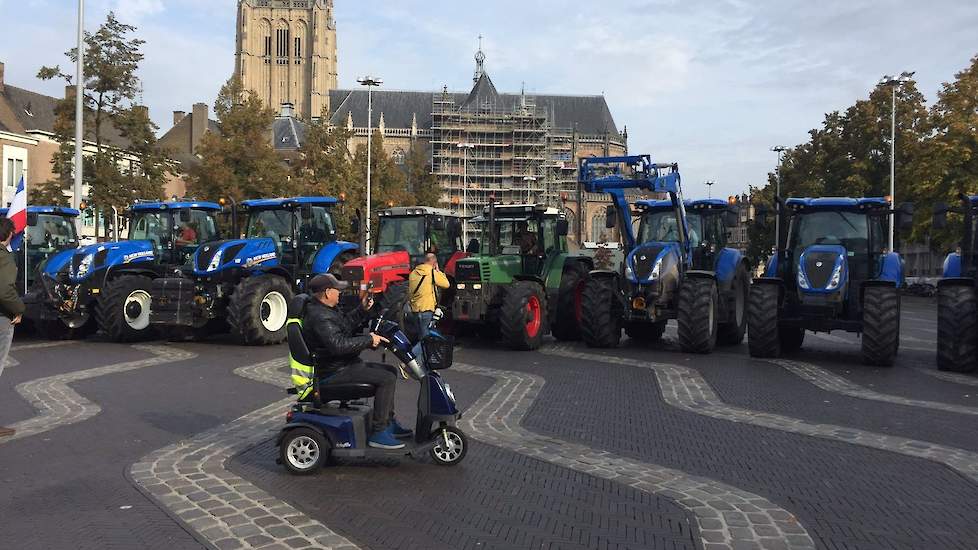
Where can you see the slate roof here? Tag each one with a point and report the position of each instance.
(288, 133)
(42, 116)
(589, 113)
(177, 140)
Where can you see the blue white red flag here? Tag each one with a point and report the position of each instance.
(18, 214)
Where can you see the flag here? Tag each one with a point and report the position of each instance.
(18, 214)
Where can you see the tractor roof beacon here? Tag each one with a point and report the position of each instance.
(957, 302)
(676, 267)
(106, 286)
(830, 271)
(245, 284)
(521, 283)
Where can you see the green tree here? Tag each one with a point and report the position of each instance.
(325, 168)
(239, 162)
(388, 181)
(421, 182)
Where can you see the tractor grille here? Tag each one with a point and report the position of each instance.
(467, 271)
(818, 268)
(644, 260)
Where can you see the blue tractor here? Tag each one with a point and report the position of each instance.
(247, 283)
(676, 267)
(107, 285)
(831, 270)
(957, 302)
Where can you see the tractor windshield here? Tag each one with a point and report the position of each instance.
(847, 229)
(51, 233)
(662, 226)
(514, 236)
(271, 224)
(401, 234)
(193, 230)
(155, 225)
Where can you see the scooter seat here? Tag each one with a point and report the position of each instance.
(345, 392)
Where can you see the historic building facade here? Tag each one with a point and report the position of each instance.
(286, 52)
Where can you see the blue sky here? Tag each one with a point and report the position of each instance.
(709, 84)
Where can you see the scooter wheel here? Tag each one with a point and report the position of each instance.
(450, 446)
(303, 451)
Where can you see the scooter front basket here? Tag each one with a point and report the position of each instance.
(438, 352)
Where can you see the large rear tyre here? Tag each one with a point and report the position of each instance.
(522, 317)
(732, 333)
(957, 328)
(304, 451)
(600, 313)
(697, 315)
(881, 325)
(122, 310)
(763, 336)
(567, 323)
(258, 310)
(647, 333)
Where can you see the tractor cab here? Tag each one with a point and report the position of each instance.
(963, 263)
(957, 291)
(50, 230)
(175, 229)
(524, 238)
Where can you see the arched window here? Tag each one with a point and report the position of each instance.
(597, 227)
(398, 156)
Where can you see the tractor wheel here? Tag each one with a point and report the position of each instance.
(522, 317)
(697, 315)
(881, 325)
(567, 323)
(646, 333)
(258, 310)
(763, 336)
(732, 333)
(791, 339)
(957, 328)
(600, 313)
(122, 310)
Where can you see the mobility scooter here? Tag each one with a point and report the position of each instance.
(331, 419)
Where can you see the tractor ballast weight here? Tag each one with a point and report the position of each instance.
(523, 283)
(676, 267)
(246, 284)
(107, 285)
(830, 271)
(957, 292)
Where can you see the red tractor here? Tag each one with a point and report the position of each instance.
(403, 237)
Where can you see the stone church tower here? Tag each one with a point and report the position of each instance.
(286, 52)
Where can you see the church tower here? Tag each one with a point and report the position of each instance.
(286, 52)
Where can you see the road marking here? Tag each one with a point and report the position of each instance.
(58, 405)
(854, 342)
(684, 388)
(726, 516)
(41, 345)
(832, 382)
(192, 481)
(955, 377)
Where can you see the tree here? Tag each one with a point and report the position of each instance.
(421, 182)
(388, 181)
(325, 168)
(239, 162)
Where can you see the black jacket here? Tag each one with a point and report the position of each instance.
(329, 334)
(10, 303)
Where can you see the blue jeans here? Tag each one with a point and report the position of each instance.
(421, 320)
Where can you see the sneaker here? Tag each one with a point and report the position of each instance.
(399, 431)
(385, 440)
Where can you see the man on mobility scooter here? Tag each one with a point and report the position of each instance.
(329, 331)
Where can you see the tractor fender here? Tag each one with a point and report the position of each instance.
(328, 254)
(700, 274)
(952, 265)
(57, 262)
(891, 269)
(726, 265)
(771, 268)
(532, 278)
(603, 274)
(277, 271)
(956, 281)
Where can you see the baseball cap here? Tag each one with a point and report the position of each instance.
(319, 283)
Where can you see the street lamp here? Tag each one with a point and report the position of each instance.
(370, 82)
(779, 149)
(529, 180)
(79, 107)
(709, 186)
(465, 147)
(894, 83)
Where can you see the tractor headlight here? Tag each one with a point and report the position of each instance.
(216, 261)
(802, 280)
(656, 270)
(836, 279)
(85, 265)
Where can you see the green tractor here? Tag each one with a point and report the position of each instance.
(522, 283)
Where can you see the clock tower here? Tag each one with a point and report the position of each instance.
(286, 52)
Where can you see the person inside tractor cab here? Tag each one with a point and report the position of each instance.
(526, 239)
(187, 234)
(331, 333)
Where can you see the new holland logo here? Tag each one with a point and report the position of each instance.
(260, 259)
(137, 255)
(819, 264)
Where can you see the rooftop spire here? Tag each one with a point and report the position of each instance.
(480, 63)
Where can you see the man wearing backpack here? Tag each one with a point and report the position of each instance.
(423, 285)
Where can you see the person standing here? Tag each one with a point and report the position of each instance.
(11, 306)
(423, 284)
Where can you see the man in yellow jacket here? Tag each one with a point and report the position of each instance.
(423, 285)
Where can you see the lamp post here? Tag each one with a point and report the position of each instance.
(465, 147)
(894, 83)
(709, 186)
(370, 82)
(528, 181)
(779, 149)
(79, 107)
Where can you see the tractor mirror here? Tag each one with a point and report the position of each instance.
(731, 218)
(940, 215)
(355, 226)
(562, 228)
(306, 212)
(185, 216)
(611, 216)
(32, 218)
(438, 223)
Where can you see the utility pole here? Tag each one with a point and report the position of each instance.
(370, 82)
(79, 109)
(709, 186)
(780, 149)
(894, 83)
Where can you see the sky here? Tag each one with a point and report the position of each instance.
(712, 85)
